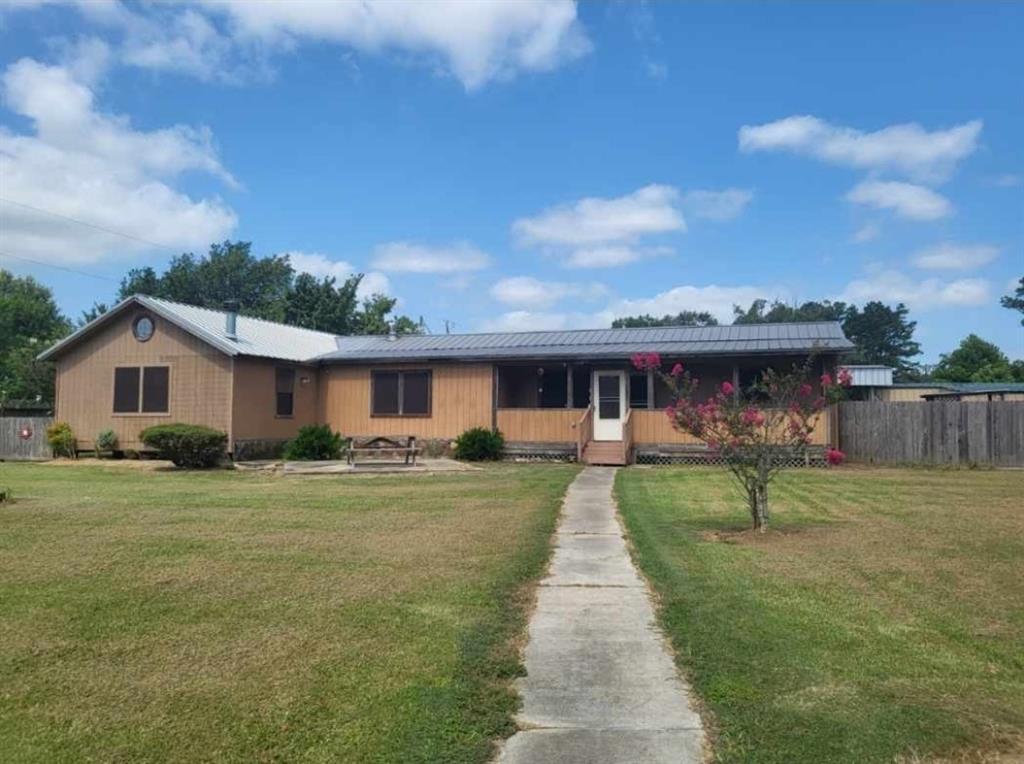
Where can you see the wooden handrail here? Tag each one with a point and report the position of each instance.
(584, 431)
(627, 435)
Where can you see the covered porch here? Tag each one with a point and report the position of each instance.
(606, 412)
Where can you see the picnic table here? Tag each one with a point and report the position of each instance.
(401, 447)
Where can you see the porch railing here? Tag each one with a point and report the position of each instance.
(627, 435)
(584, 431)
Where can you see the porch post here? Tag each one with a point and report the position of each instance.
(650, 388)
(736, 380)
(568, 386)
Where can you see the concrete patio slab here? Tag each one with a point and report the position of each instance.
(601, 686)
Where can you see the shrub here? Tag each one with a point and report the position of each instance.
(106, 441)
(315, 442)
(187, 445)
(6, 495)
(61, 439)
(479, 444)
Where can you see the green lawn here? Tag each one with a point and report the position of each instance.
(220, 616)
(882, 620)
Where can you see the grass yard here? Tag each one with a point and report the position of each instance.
(882, 620)
(173, 616)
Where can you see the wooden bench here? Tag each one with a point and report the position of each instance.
(400, 446)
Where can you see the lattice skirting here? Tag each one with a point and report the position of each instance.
(540, 452)
(666, 454)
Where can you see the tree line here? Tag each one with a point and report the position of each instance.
(882, 335)
(265, 287)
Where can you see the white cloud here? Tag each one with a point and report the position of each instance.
(1007, 180)
(534, 293)
(867, 232)
(322, 266)
(905, 199)
(717, 205)
(77, 162)
(716, 300)
(892, 286)
(906, 148)
(408, 257)
(951, 256)
(476, 42)
(596, 232)
(595, 220)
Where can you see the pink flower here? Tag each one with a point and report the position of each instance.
(805, 390)
(727, 388)
(845, 378)
(752, 416)
(670, 411)
(677, 370)
(826, 380)
(645, 361)
(834, 456)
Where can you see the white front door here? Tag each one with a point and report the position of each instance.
(609, 397)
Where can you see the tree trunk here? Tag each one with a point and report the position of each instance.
(758, 496)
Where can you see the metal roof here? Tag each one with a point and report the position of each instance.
(597, 343)
(254, 336)
(966, 387)
(267, 339)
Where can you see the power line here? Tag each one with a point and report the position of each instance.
(59, 267)
(89, 225)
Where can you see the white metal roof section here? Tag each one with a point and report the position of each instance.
(254, 337)
(597, 343)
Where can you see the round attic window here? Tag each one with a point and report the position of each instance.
(143, 328)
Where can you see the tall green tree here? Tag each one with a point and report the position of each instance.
(229, 271)
(976, 360)
(682, 318)
(29, 322)
(883, 335)
(761, 312)
(268, 287)
(1015, 301)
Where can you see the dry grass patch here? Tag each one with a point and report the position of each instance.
(169, 616)
(880, 618)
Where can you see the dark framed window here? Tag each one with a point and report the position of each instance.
(400, 393)
(155, 389)
(141, 389)
(284, 388)
(126, 390)
(638, 391)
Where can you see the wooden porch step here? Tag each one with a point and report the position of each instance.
(607, 452)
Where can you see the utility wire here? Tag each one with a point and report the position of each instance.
(89, 225)
(59, 267)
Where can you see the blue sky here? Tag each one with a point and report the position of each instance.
(530, 164)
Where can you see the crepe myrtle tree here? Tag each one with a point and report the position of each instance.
(755, 435)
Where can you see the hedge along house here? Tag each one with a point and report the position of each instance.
(552, 394)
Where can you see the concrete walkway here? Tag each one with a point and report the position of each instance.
(601, 686)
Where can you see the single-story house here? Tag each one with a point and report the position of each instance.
(904, 392)
(551, 393)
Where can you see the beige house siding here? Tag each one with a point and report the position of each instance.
(254, 400)
(906, 394)
(460, 399)
(199, 386)
(539, 425)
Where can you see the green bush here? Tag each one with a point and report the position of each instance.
(479, 444)
(106, 441)
(187, 445)
(315, 442)
(61, 439)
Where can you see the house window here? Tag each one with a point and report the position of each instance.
(285, 391)
(400, 393)
(638, 391)
(141, 389)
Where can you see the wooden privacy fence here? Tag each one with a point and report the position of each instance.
(955, 432)
(13, 444)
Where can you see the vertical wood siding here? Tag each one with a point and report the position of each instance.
(254, 404)
(460, 399)
(539, 425)
(200, 381)
(652, 427)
